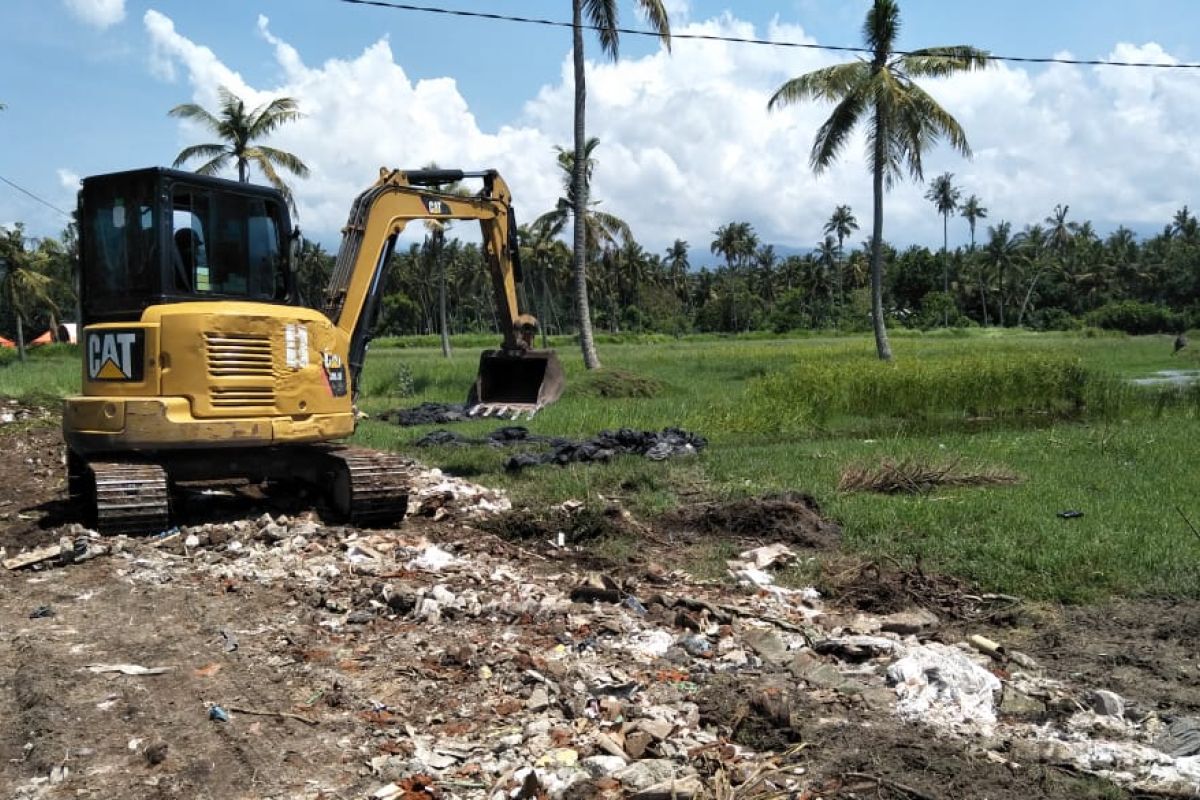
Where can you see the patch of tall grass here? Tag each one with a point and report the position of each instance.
(839, 388)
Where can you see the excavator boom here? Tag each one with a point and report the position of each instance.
(511, 380)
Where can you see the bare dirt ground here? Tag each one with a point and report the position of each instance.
(440, 659)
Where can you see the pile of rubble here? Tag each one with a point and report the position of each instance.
(557, 684)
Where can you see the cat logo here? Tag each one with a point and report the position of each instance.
(115, 355)
(435, 206)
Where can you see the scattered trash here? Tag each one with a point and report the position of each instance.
(668, 443)
(127, 669)
(1070, 514)
(218, 714)
(42, 612)
(32, 557)
(426, 414)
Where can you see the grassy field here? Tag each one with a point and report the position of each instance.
(793, 414)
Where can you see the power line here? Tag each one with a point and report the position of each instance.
(25, 191)
(1086, 62)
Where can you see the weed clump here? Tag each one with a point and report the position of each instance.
(915, 476)
(616, 383)
(396, 382)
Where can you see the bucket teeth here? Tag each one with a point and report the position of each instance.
(497, 411)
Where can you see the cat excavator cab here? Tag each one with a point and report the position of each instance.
(201, 364)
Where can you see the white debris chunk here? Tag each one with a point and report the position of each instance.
(941, 686)
(433, 559)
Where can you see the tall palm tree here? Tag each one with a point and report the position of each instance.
(841, 224)
(972, 211)
(602, 15)
(1002, 251)
(902, 119)
(1034, 241)
(737, 242)
(944, 195)
(1184, 225)
(239, 130)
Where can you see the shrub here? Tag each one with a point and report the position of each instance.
(397, 382)
(1136, 318)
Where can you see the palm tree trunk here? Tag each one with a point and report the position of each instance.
(590, 359)
(945, 264)
(841, 292)
(1000, 297)
(882, 347)
(20, 338)
(445, 323)
(1028, 295)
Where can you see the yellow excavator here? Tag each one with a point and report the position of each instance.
(200, 363)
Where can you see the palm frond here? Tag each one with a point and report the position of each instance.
(265, 119)
(214, 166)
(199, 151)
(938, 62)
(935, 121)
(656, 15)
(602, 14)
(282, 158)
(830, 84)
(196, 113)
(835, 132)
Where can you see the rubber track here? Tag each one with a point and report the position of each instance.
(130, 498)
(379, 484)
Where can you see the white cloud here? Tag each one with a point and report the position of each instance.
(687, 143)
(98, 13)
(68, 179)
(361, 114)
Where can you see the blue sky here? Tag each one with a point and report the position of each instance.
(686, 143)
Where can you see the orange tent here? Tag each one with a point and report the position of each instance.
(45, 338)
(7, 342)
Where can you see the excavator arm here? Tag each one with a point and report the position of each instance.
(511, 380)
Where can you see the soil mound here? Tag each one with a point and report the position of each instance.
(791, 517)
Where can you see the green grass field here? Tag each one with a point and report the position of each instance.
(792, 414)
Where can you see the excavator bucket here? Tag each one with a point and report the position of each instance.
(509, 385)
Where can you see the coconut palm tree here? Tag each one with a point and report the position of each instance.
(841, 224)
(602, 15)
(601, 229)
(1184, 225)
(1002, 252)
(944, 195)
(972, 211)
(902, 119)
(239, 130)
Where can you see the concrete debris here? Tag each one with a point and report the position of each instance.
(768, 556)
(446, 663)
(939, 685)
(1109, 704)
